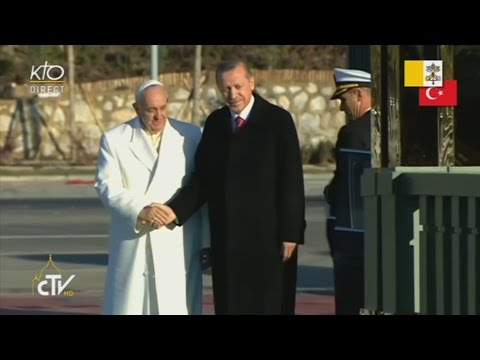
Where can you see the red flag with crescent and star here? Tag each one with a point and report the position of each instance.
(439, 96)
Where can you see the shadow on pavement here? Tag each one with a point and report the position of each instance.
(87, 259)
(40, 312)
(316, 280)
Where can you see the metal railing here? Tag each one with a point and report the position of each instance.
(422, 240)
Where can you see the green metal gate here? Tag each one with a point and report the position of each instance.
(422, 240)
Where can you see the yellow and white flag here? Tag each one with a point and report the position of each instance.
(424, 73)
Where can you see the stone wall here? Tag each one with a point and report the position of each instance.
(37, 129)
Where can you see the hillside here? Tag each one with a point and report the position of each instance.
(101, 62)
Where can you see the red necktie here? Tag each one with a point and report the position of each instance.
(239, 122)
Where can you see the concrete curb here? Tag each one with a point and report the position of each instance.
(10, 173)
(81, 186)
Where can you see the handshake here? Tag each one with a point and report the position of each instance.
(156, 215)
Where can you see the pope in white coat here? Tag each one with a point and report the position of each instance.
(151, 269)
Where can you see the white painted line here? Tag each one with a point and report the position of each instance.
(78, 252)
(67, 236)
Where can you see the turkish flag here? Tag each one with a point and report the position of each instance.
(439, 96)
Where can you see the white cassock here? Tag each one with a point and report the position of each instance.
(154, 270)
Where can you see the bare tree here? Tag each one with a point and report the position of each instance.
(197, 70)
(71, 86)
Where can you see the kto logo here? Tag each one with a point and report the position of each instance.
(47, 80)
(49, 282)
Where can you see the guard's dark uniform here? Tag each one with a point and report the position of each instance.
(347, 247)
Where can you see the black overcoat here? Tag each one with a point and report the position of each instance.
(252, 181)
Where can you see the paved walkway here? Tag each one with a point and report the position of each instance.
(89, 304)
(60, 184)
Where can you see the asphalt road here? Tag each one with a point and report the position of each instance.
(73, 231)
(42, 218)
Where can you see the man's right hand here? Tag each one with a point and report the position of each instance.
(166, 214)
(157, 215)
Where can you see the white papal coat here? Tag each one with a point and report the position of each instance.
(131, 175)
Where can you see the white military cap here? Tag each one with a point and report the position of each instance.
(144, 85)
(346, 79)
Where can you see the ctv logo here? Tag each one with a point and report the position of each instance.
(51, 283)
(47, 80)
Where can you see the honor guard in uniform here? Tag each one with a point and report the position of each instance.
(346, 242)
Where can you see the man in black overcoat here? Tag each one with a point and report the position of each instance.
(353, 90)
(249, 171)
